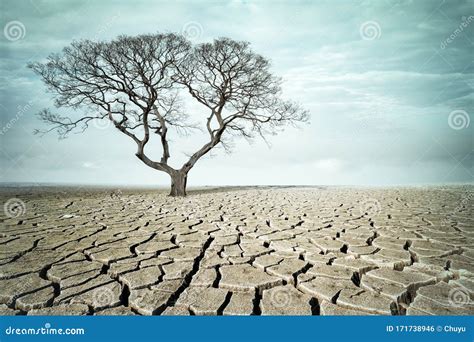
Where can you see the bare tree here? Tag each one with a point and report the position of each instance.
(136, 83)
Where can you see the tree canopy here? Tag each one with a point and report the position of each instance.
(138, 83)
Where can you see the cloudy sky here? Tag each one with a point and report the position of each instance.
(389, 85)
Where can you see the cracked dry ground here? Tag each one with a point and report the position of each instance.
(251, 251)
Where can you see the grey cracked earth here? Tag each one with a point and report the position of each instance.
(244, 251)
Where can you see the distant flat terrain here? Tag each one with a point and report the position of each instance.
(237, 251)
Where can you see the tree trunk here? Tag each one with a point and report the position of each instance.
(178, 183)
